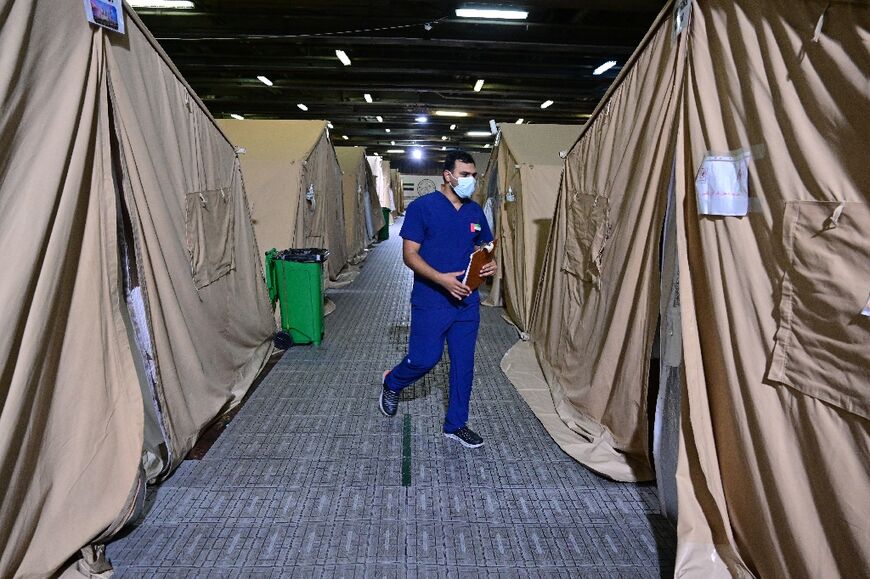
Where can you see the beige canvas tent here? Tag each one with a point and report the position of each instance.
(383, 181)
(398, 191)
(293, 181)
(125, 234)
(744, 123)
(387, 185)
(360, 199)
(519, 191)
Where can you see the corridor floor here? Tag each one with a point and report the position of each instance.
(310, 480)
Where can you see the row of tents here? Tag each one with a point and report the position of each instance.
(689, 275)
(303, 192)
(614, 270)
(134, 305)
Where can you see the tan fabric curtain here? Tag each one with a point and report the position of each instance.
(356, 199)
(596, 308)
(386, 185)
(398, 192)
(373, 200)
(382, 181)
(71, 425)
(775, 475)
(91, 119)
(213, 336)
(529, 175)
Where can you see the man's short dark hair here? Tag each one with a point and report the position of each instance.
(458, 155)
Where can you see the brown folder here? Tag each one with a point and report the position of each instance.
(484, 255)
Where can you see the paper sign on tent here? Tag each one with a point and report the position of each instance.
(722, 185)
(106, 13)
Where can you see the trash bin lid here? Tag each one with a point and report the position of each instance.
(304, 255)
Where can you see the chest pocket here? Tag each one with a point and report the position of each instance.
(823, 341)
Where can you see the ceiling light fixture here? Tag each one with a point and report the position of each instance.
(450, 114)
(368, 97)
(388, 130)
(604, 67)
(486, 146)
(392, 142)
(443, 138)
(452, 127)
(443, 148)
(302, 107)
(237, 117)
(417, 154)
(380, 118)
(545, 104)
(342, 56)
(329, 125)
(492, 14)
(422, 119)
(395, 150)
(265, 80)
(478, 85)
(478, 134)
(170, 4)
(345, 137)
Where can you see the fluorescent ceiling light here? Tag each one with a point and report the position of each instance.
(452, 127)
(443, 138)
(380, 118)
(237, 117)
(388, 130)
(519, 121)
(368, 97)
(604, 67)
(545, 104)
(422, 119)
(342, 56)
(417, 154)
(329, 125)
(344, 137)
(302, 107)
(171, 4)
(450, 114)
(265, 80)
(395, 150)
(478, 134)
(490, 13)
(478, 85)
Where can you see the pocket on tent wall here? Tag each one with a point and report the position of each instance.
(210, 228)
(589, 230)
(822, 344)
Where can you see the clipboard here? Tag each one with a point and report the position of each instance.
(482, 256)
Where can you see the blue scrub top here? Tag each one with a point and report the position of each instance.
(447, 238)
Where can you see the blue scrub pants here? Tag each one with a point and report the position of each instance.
(430, 327)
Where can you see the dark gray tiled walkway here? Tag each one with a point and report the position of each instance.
(295, 486)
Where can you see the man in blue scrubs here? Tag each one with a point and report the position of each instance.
(440, 232)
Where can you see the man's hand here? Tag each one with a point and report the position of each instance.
(455, 287)
(489, 269)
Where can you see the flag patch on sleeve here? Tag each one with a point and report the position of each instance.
(475, 227)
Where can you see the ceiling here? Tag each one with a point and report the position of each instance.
(413, 57)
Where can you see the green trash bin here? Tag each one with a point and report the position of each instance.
(384, 233)
(294, 278)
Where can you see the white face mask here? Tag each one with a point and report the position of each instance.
(464, 187)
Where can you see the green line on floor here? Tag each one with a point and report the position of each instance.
(406, 451)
